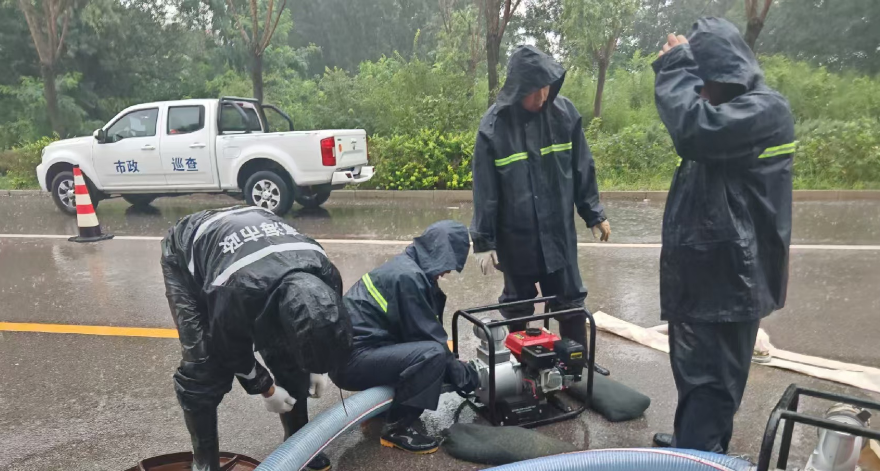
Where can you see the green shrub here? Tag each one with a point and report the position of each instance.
(838, 154)
(638, 157)
(424, 161)
(19, 164)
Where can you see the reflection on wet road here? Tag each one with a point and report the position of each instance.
(815, 222)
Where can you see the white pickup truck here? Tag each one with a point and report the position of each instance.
(228, 145)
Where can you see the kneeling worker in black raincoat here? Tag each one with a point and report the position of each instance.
(397, 316)
(240, 280)
(727, 225)
(532, 167)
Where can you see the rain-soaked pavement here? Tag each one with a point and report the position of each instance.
(102, 403)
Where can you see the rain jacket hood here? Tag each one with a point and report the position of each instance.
(727, 222)
(530, 172)
(528, 70)
(443, 247)
(401, 301)
(722, 55)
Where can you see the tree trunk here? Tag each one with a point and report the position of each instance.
(51, 95)
(600, 88)
(257, 76)
(493, 46)
(753, 29)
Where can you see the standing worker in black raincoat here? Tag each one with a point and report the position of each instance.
(727, 225)
(532, 167)
(397, 316)
(240, 280)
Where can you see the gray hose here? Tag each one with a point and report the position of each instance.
(636, 459)
(305, 444)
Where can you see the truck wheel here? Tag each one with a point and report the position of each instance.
(311, 198)
(62, 189)
(139, 200)
(267, 189)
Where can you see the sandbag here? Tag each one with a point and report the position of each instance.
(485, 444)
(614, 401)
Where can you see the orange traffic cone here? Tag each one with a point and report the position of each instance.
(86, 219)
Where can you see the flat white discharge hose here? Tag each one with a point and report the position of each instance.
(864, 377)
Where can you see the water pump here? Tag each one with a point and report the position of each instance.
(521, 373)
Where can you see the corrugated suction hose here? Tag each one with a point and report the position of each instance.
(635, 459)
(305, 444)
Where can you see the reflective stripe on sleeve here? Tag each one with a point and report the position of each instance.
(261, 254)
(556, 148)
(375, 292)
(779, 150)
(511, 159)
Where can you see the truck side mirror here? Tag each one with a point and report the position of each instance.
(99, 135)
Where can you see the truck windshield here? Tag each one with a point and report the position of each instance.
(231, 120)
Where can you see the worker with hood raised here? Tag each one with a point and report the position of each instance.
(727, 224)
(240, 280)
(397, 317)
(532, 167)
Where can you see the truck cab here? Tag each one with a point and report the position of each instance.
(226, 145)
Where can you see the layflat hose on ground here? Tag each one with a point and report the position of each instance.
(636, 459)
(302, 446)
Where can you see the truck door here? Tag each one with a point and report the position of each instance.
(129, 155)
(186, 148)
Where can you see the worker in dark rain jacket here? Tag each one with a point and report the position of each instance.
(240, 280)
(397, 317)
(727, 225)
(532, 167)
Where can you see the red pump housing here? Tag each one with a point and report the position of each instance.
(517, 340)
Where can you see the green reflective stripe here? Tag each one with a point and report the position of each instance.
(679, 162)
(556, 148)
(779, 150)
(511, 159)
(375, 292)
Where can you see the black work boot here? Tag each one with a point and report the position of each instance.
(663, 440)
(319, 463)
(402, 435)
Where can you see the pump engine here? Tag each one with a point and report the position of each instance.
(530, 367)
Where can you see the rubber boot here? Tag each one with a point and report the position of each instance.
(293, 421)
(202, 428)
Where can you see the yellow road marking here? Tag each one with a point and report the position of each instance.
(89, 330)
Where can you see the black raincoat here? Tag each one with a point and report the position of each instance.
(239, 280)
(530, 171)
(727, 224)
(397, 318)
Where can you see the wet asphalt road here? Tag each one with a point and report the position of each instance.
(102, 403)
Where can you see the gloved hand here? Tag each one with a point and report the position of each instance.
(279, 401)
(604, 228)
(318, 385)
(488, 261)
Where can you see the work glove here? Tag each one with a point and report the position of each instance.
(488, 261)
(318, 385)
(279, 402)
(601, 231)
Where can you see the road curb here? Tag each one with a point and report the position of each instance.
(466, 196)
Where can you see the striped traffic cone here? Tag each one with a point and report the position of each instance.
(86, 219)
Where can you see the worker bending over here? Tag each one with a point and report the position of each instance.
(727, 224)
(397, 317)
(532, 168)
(240, 280)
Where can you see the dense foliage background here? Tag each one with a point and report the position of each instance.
(413, 73)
